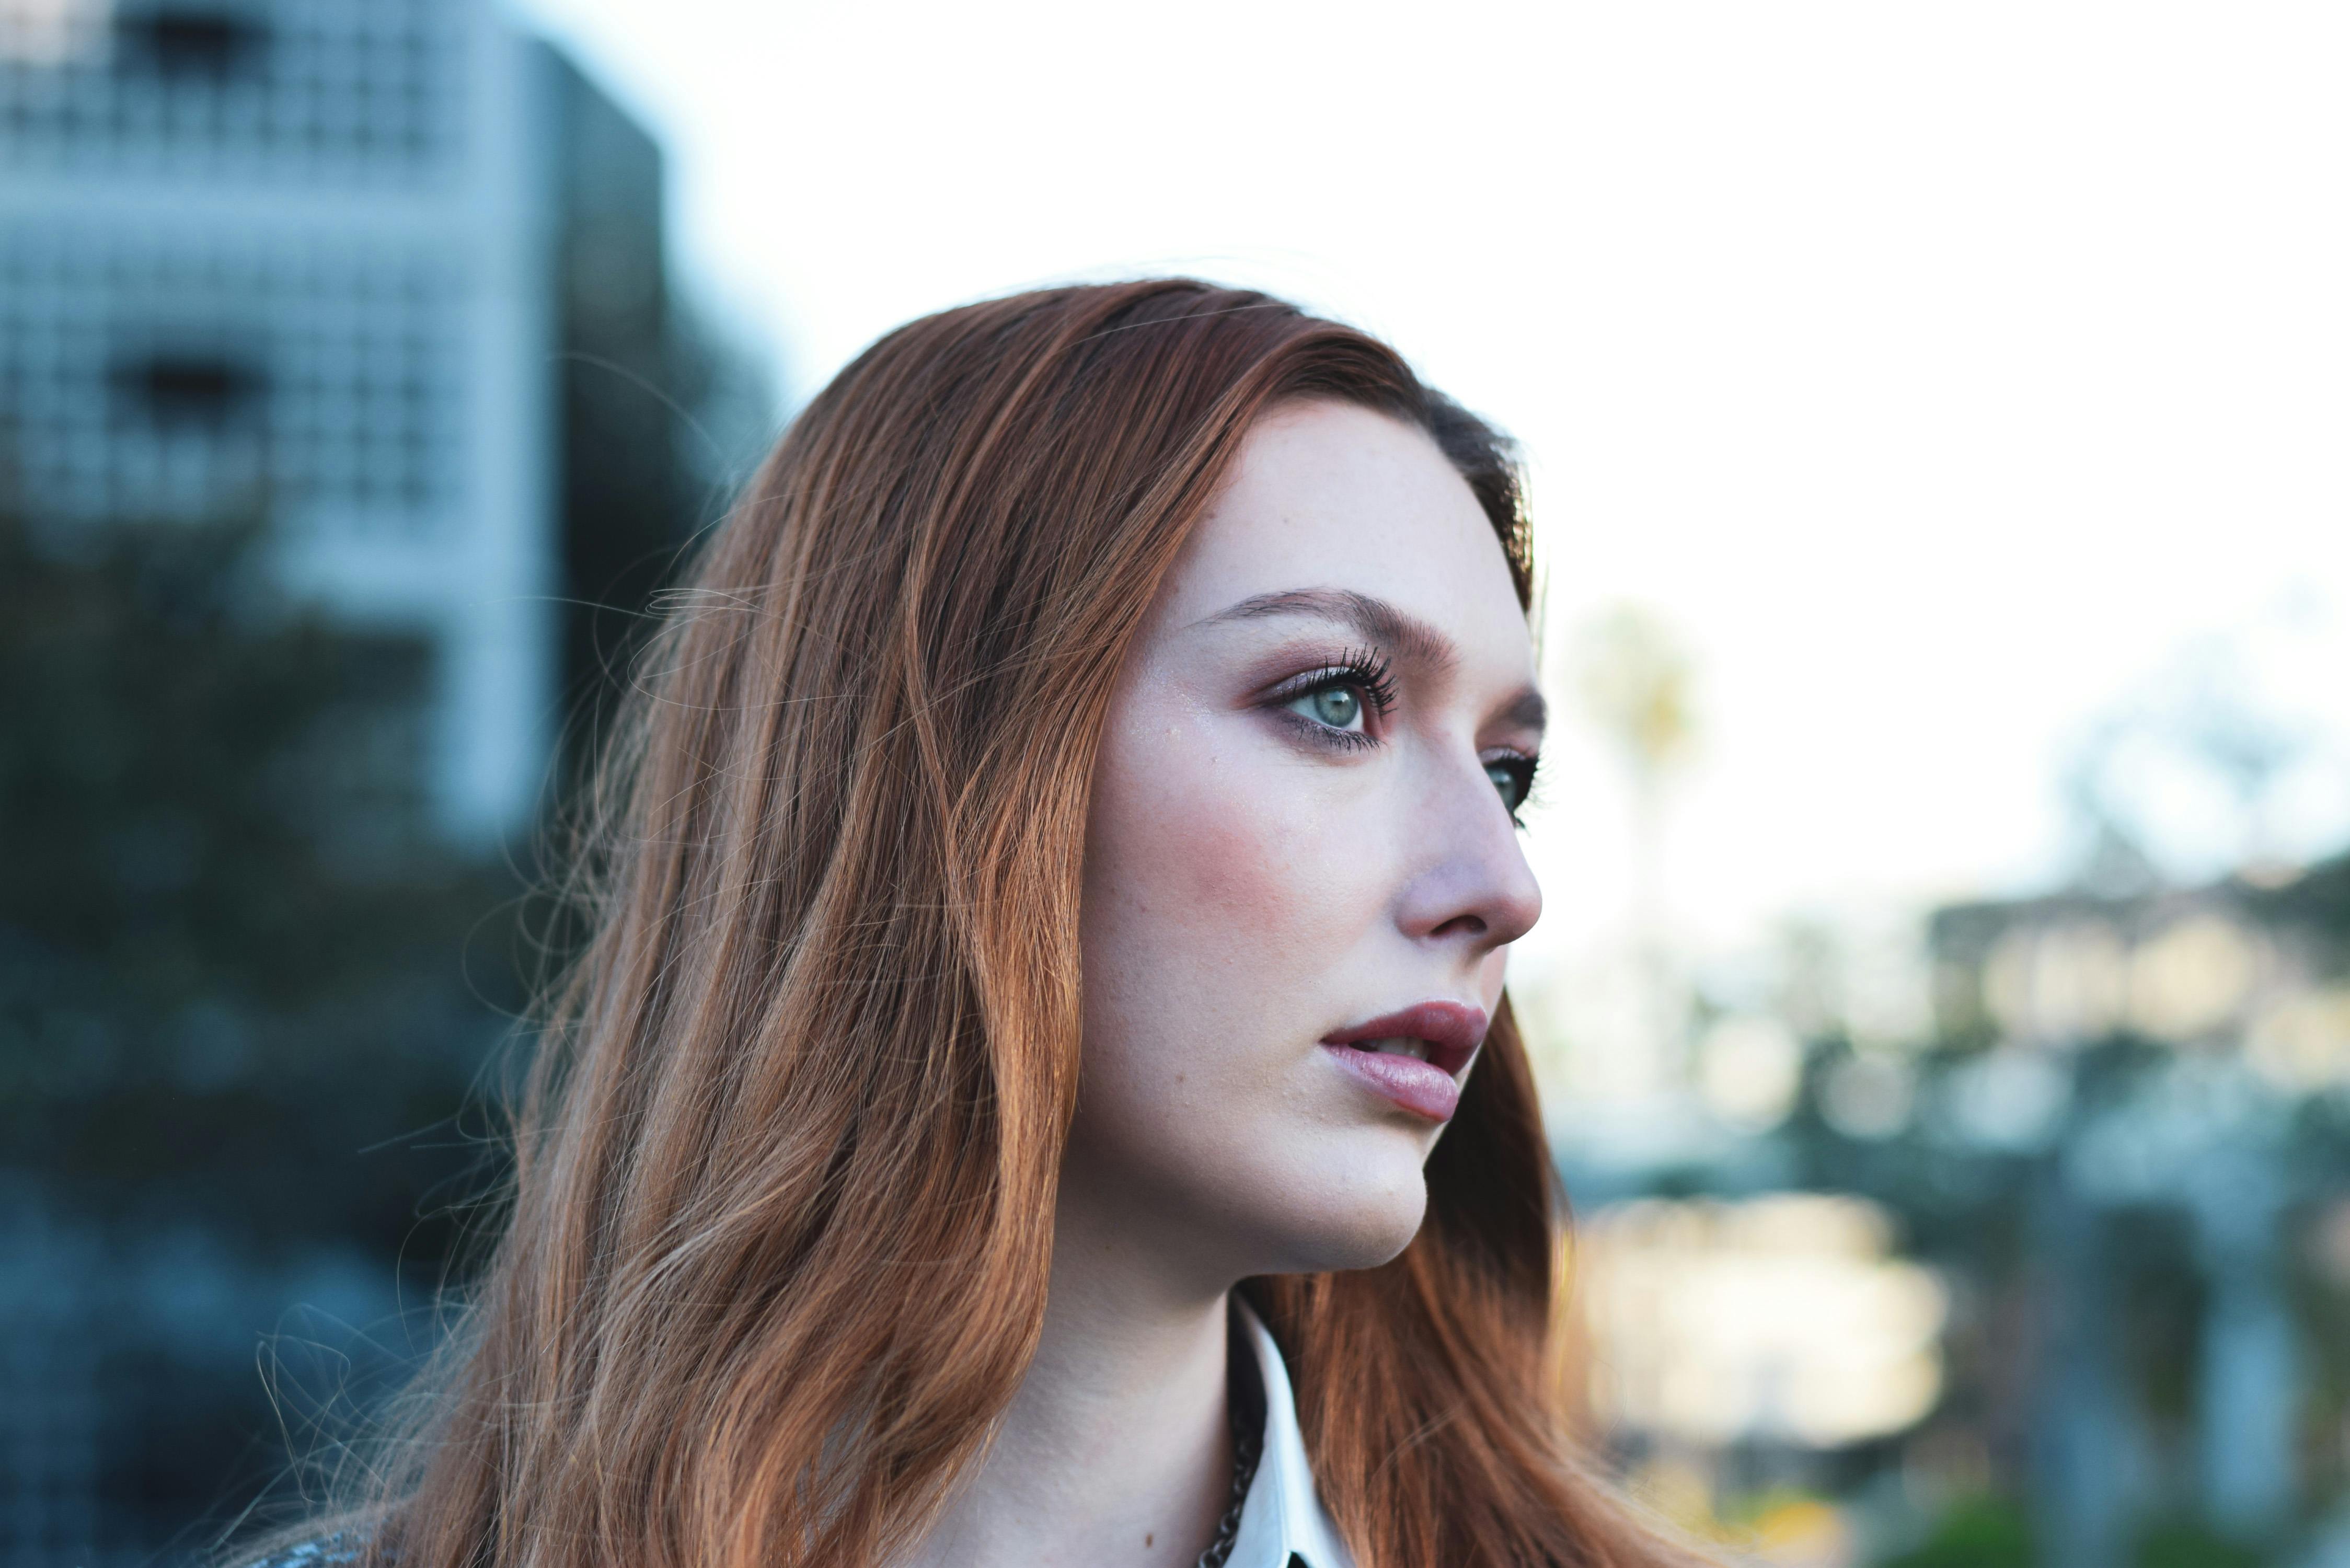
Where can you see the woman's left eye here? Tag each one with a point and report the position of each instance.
(1513, 776)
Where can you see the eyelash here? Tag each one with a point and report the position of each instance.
(1367, 673)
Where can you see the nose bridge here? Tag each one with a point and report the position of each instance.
(1469, 876)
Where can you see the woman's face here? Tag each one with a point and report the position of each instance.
(1302, 870)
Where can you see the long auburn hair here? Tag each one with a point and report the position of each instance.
(780, 1220)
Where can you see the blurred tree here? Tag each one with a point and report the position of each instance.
(1636, 682)
(1975, 1532)
(243, 998)
(2189, 1543)
(221, 974)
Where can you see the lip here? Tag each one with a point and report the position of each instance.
(1453, 1031)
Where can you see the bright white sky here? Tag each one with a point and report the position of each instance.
(1946, 376)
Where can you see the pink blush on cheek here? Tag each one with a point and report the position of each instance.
(1229, 884)
(1250, 875)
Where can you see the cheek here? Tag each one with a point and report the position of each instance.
(1234, 900)
(1231, 896)
(1224, 872)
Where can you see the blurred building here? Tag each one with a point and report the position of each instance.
(388, 277)
(1779, 1317)
(389, 273)
(2174, 1059)
(2049, 1263)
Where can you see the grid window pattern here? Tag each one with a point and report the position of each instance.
(290, 91)
(319, 384)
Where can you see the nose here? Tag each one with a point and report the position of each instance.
(1468, 883)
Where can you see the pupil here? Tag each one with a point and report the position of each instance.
(1507, 783)
(1336, 707)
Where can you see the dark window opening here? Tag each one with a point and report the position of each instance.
(191, 41)
(189, 389)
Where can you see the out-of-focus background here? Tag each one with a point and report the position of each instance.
(1936, 420)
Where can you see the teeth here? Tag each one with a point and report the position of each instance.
(1415, 1049)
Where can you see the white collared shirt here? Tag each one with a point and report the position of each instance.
(1282, 1518)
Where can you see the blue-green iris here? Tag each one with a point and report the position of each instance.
(1337, 706)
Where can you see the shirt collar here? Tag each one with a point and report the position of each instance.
(1283, 1517)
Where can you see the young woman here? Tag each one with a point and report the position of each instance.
(1040, 1090)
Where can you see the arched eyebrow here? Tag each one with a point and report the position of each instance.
(1398, 631)
(1375, 620)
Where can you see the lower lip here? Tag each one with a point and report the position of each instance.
(1418, 1086)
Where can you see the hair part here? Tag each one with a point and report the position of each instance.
(781, 1218)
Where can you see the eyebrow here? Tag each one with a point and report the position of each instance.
(1380, 622)
(1374, 617)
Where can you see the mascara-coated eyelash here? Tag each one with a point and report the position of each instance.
(1364, 671)
(1359, 681)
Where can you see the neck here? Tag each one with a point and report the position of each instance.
(1118, 1447)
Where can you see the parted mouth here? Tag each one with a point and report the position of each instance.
(1444, 1035)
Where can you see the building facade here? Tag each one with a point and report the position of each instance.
(386, 279)
(310, 261)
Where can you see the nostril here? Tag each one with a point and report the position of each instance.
(1461, 926)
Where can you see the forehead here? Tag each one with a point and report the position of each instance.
(1332, 495)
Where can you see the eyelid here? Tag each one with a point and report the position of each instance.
(1367, 670)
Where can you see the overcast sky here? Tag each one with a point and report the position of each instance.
(1954, 379)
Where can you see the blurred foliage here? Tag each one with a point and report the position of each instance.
(1784, 1524)
(215, 992)
(2184, 1543)
(1637, 680)
(2317, 902)
(1974, 1532)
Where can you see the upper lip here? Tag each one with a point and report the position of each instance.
(1452, 1030)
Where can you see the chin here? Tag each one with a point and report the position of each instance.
(1348, 1214)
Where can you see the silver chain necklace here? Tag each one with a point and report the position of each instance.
(1246, 1403)
(1228, 1528)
